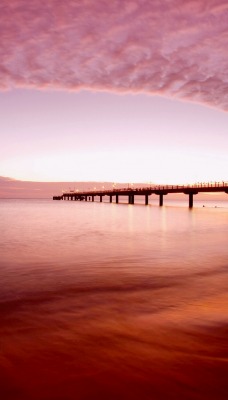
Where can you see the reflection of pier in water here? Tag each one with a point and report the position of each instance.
(160, 190)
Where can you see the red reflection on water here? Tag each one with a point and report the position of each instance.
(148, 340)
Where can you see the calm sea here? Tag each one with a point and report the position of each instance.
(107, 301)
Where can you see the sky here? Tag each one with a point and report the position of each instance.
(118, 91)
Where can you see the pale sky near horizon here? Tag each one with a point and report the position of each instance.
(60, 136)
(95, 92)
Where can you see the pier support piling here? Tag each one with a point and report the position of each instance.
(110, 199)
(131, 199)
(161, 200)
(117, 198)
(92, 198)
(100, 199)
(146, 199)
(190, 200)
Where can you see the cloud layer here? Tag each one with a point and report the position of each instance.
(171, 47)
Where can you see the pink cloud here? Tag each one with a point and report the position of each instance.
(172, 47)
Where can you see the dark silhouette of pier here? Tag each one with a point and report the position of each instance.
(159, 190)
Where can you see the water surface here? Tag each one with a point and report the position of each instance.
(107, 301)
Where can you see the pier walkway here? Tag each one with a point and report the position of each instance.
(159, 190)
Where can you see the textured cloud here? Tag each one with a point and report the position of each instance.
(169, 47)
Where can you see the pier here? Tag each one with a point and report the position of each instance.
(158, 190)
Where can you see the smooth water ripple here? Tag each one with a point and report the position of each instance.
(106, 301)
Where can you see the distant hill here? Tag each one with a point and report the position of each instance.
(12, 188)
